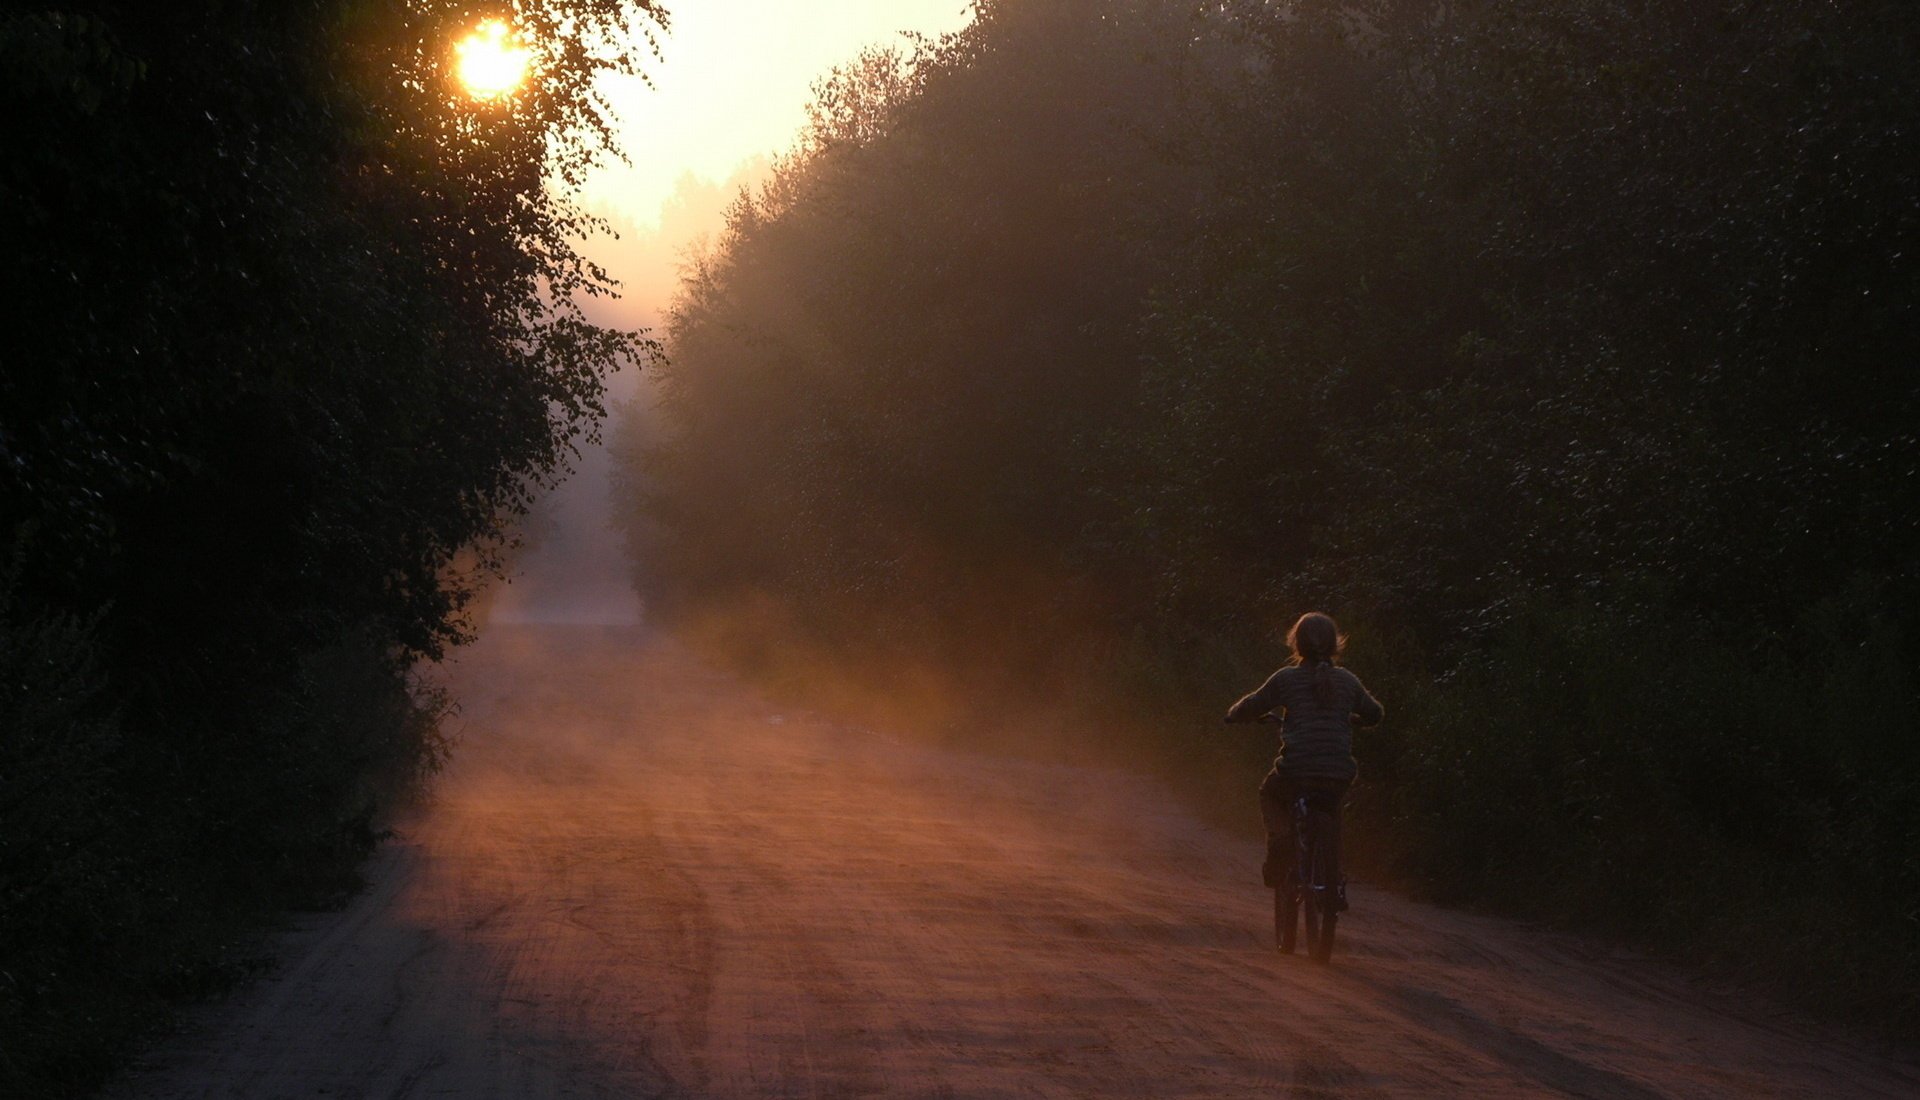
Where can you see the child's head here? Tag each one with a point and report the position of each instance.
(1315, 637)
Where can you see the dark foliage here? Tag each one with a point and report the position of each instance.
(289, 322)
(1564, 351)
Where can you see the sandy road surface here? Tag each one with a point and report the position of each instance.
(642, 880)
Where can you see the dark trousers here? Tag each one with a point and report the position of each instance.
(1277, 795)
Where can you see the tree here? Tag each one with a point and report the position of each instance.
(1565, 350)
(291, 322)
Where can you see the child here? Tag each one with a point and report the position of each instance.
(1319, 703)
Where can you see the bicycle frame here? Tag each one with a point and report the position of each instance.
(1305, 832)
(1308, 895)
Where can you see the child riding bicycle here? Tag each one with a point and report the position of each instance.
(1319, 703)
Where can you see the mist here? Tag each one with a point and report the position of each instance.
(572, 568)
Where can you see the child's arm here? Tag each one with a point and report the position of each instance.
(1367, 710)
(1251, 707)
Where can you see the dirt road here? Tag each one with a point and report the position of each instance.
(642, 880)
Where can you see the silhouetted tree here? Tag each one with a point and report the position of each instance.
(289, 322)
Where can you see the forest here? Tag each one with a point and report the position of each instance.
(292, 335)
(1564, 352)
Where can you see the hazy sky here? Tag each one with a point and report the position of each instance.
(734, 83)
(732, 86)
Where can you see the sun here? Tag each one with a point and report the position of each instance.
(492, 62)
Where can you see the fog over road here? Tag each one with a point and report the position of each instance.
(641, 879)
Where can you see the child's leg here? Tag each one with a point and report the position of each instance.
(1276, 805)
(1277, 813)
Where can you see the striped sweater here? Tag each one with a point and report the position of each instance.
(1315, 741)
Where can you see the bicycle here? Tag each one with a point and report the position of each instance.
(1306, 895)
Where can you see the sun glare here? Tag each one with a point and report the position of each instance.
(492, 62)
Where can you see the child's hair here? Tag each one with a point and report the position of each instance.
(1316, 642)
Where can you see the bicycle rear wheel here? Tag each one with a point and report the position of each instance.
(1310, 916)
(1323, 946)
(1286, 910)
(1321, 894)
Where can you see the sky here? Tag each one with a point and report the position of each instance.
(729, 91)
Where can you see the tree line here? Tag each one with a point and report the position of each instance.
(1564, 352)
(289, 323)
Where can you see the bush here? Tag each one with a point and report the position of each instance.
(130, 879)
(1749, 801)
